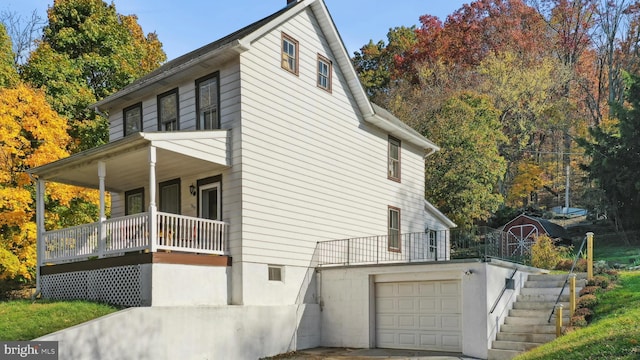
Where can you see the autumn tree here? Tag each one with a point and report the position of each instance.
(31, 134)
(461, 178)
(87, 52)
(376, 63)
(8, 71)
(530, 177)
(485, 27)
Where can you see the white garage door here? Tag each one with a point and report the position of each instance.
(425, 315)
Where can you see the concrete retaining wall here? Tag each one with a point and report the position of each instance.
(225, 332)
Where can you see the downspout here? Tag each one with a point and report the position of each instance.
(39, 230)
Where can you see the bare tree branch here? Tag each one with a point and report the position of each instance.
(23, 32)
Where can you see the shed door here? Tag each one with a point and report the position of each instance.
(425, 315)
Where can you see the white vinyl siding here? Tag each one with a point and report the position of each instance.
(312, 169)
(229, 103)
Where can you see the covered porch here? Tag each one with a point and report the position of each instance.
(188, 160)
(133, 233)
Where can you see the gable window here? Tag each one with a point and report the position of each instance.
(393, 172)
(393, 243)
(207, 102)
(168, 111)
(324, 73)
(134, 201)
(132, 119)
(170, 196)
(289, 54)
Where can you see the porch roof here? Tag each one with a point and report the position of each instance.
(180, 152)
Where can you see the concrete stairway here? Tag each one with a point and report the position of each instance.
(526, 325)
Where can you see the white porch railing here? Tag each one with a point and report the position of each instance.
(131, 233)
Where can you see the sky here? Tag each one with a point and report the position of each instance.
(185, 25)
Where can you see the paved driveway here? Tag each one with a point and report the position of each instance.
(365, 354)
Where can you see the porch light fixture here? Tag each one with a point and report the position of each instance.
(192, 189)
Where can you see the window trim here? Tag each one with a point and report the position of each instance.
(162, 184)
(432, 237)
(126, 199)
(207, 181)
(390, 161)
(159, 105)
(124, 118)
(391, 248)
(280, 273)
(296, 58)
(214, 75)
(329, 75)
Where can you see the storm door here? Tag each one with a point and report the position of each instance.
(209, 201)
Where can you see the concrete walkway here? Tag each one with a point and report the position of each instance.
(365, 354)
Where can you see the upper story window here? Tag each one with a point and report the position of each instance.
(393, 172)
(207, 102)
(393, 243)
(168, 111)
(289, 54)
(324, 73)
(132, 119)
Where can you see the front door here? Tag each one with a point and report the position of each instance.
(209, 201)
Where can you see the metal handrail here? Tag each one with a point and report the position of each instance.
(575, 261)
(495, 303)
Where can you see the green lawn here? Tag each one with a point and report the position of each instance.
(26, 320)
(613, 334)
(615, 253)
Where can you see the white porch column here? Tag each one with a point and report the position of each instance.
(153, 231)
(39, 230)
(102, 230)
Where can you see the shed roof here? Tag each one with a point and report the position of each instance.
(552, 229)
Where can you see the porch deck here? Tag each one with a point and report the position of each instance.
(134, 233)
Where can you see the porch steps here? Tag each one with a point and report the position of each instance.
(526, 325)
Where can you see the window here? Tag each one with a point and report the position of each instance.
(275, 273)
(132, 119)
(289, 54)
(134, 201)
(168, 111)
(394, 229)
(207, 101)
(394, 159)
(324, 73)
(170, 196)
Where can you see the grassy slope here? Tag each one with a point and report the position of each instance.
(613, 334)
(26, 320)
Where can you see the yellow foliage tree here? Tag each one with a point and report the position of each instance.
(545, 254)
(31, 134)
(530, 177)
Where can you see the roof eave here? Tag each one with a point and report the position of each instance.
(438, 214)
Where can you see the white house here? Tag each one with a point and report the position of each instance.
(254, 186)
